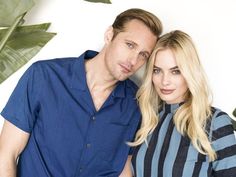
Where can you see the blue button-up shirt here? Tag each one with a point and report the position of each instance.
(68, 137)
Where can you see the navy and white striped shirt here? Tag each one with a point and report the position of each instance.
(169, 154)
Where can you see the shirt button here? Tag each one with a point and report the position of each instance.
(81, 169)
(88, 145)
(93, 118)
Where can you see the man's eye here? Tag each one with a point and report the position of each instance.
(144, 56)
(131, 46)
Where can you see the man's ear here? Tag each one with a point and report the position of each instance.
(108, 34)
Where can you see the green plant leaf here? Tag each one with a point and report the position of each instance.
(233, 120)
(10, 30)
(11, 9)
(24, 43)
(102, 1)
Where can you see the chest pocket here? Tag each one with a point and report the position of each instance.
(121, 118)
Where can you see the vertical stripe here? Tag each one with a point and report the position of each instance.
(209, 170)
(181, 157)
(133, 160)
(140, 159)
(151, 149)
(165, 148)
(161, 137)
(201, 158)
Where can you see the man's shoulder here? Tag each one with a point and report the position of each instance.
(55, 62)
(52, 68)
(131, 87)
(55, 65)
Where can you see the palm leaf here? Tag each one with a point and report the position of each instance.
(11, 9)
(24, 43)
(102, 1)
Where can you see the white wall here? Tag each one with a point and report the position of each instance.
(80, 25)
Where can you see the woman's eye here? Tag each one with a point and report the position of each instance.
(156, 71)
(176, 72)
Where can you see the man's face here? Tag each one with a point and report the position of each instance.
(129, 50)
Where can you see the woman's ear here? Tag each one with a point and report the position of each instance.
(108, 35)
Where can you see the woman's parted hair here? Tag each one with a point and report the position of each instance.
(190, 119)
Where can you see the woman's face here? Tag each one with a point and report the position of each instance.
(167, 78)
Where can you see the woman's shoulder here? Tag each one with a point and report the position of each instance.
(218, 114)
(221, 123)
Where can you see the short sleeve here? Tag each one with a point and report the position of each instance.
(224, 143)
(21, 108)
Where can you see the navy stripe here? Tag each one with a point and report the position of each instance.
(225, 173)
(209, 170)
(151, 148)
(198, 165)
(220, 114)
(222, 132)
(226, 152)
(164, 148)
(134, 157)
(181, 157)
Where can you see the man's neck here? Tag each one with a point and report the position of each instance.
(99, 81)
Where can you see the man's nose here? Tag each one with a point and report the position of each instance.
(133, 58)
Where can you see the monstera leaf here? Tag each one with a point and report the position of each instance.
(103, 1)
(22, 45)
(18, 44)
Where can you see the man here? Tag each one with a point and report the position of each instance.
(73, 116)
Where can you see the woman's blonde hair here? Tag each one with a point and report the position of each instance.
(191, 118)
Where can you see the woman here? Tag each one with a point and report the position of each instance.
(181, 134)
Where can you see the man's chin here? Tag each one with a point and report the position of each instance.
(122, 78)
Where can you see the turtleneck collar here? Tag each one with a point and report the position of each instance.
(170, 108)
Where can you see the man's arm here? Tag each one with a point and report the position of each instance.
(12, 142)
(127, 172)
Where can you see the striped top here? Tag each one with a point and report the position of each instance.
(169, 154)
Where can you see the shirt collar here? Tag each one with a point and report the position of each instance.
(79, 73)
(123, 88)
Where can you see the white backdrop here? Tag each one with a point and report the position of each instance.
(80, 25)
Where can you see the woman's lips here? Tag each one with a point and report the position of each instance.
(167, 91)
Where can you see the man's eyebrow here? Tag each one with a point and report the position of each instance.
(131, 41)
